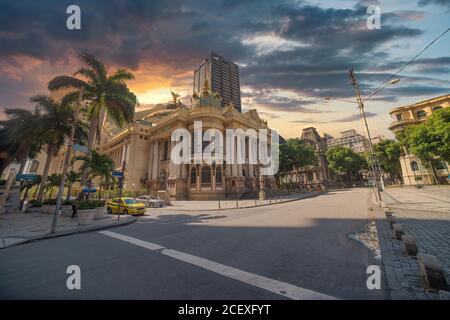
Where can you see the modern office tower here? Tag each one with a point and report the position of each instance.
(223, 78)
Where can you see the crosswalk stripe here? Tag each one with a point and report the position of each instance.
(275, 286)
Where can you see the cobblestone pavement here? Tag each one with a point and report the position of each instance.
(424, 214)
(19, 227)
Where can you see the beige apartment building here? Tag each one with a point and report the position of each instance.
(350, 139)
(413, 170)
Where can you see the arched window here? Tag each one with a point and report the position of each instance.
(193, 176)
(206, 176)
(218, 176)
(421, 114)
(414, 166)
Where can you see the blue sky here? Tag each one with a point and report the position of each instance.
(291, 54)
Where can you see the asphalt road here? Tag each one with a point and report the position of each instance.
(296, 250)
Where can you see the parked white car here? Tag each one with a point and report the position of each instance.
(151, 202)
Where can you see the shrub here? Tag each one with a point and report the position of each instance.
(35, 204)
(101, 203)
(50, 202)
(89, 204)
(67, 202)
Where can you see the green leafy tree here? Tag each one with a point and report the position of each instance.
(71, 178)
(295, 154)
(388, 153)
(430, 140)
(344, 161)
(53, 180)
(25, 188)
(98, 165)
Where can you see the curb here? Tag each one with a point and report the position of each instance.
(249, 207)
(70, 232)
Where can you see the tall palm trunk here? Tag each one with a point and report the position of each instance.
(50, 152)
(91, 139)
(69, 191)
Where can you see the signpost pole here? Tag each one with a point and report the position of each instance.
(124, 164)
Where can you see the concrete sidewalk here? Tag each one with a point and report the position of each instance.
(234, 204)
(429, 198)
(18, 228)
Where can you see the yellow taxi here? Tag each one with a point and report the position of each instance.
(125, 206)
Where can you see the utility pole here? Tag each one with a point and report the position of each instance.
(65, 166)
(373, 160)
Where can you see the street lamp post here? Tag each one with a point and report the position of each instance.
(376, 170)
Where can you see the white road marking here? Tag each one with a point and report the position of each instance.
(275, 286)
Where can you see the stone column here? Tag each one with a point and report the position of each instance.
(239, 170)
(228, 170)
(155, 160)
(127, 154)
(184, 170)
(234, 170)
(123, 153)
(175, 167)
(198, 172)
(150, 162)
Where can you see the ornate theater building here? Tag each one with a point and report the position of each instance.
(145, 146)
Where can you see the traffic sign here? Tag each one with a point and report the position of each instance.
(118, 174)
(27, 177)
(80, 148)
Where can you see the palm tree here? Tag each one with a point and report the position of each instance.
(71, 178)
(53, 180)
(55, 128)
(18, 134)
(98, 165)
(26, 188)
(106, 179)
(107, 94)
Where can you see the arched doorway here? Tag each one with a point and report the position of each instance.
(163, 180)
(206, 177)
(193, 177)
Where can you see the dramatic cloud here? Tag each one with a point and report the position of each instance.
(444, 3)
(351, 118)
(291, 53)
